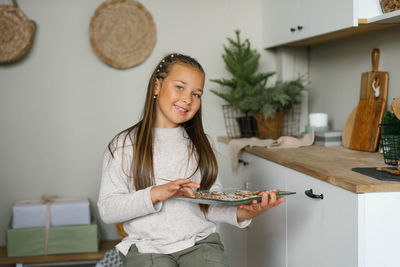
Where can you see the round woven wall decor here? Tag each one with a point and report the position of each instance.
(122, 33)
(17, 33)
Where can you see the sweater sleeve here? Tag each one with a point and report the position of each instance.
(117, 203)
(225, 214)
(222, 213)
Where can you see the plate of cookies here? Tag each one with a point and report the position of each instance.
(229, 196)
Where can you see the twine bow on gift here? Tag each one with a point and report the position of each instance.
(48, 200)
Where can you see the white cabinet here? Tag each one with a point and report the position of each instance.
(303, 231)
(287, 21)
(378, 229)
(317, 17)
(320, 232)
(343, 229)
(301, 23)
(279, 25)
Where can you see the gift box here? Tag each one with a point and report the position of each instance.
(32, 213)
(61, 239)
(328, 138)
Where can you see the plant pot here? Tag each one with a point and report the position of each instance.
(248, 126)
(270, 128)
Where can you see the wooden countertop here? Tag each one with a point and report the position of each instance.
(329, 164)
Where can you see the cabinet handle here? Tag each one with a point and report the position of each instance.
(299, 27)
(292, 29)
(309, 193)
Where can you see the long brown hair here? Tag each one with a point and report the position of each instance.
(141, 134)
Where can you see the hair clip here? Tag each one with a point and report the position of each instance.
(159, 68)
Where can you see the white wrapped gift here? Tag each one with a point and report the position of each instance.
(60, 211)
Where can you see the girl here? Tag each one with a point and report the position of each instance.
(167, 153)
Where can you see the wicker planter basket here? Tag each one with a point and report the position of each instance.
(270, 128)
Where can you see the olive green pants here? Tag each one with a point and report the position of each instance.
(208, 252)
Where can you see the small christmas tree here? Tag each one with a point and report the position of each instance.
(247, 90)
(246, 84)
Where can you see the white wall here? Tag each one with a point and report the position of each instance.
(60, 105)
(336, 67)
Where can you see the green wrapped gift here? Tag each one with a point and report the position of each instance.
(61, 239)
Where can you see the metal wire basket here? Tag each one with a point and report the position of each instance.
(291, 123)
(390, 143)
(230, 118)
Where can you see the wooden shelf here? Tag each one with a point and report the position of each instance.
(104, 246)
(381, 22)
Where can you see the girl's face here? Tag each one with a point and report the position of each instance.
(178, 96)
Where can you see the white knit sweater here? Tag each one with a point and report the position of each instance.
(167, 226)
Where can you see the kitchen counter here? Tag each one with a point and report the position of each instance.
(329, 164)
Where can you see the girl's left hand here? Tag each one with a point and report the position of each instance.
(249, 211)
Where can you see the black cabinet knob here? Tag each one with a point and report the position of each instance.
(299, 27)
(292, 29)
(310, 194)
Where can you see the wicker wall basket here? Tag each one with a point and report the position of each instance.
(17, 33)
(122, 33)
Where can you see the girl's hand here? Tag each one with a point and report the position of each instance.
(269, 200)
(178, 187)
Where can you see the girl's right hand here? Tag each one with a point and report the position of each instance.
(178, 187)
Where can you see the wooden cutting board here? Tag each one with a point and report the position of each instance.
(348, 128)
(370, 109)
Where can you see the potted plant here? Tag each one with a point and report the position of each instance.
(271, 105)
(243, 63)
(247, 90)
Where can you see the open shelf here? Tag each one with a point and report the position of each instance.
(387, 18)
